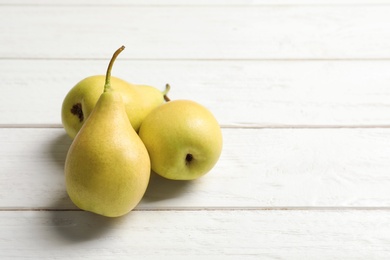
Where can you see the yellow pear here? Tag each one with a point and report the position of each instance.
(107, 168)
(139, 100)
(183, 138)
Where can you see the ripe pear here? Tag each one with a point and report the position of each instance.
(107, 168)
(183, 138)
(139, 101)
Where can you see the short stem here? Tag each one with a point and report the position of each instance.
(107, 84)
(167, 88)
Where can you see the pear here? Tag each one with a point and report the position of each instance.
(139, 101)
(107, 167)
(183, 138)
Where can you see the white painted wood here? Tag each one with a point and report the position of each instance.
(258, 168)
(192, 2)
(196, 235)
(180, 32)
(245, 93)
(283, 77)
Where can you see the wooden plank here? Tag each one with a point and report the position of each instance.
(258, 168)
(180, 32)
(195, 234)
(239, 93)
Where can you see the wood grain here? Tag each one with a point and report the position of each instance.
(196, 234)
(300, 88)
(180, 32)
(239, 93)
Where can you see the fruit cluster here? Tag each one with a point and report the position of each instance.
(122, 132)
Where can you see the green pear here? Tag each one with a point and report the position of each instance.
(139, 101)
(183, 138)
(107, 168)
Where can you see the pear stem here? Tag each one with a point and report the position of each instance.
(107, 84)
(167, 88)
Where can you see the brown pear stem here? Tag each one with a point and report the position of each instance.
(167, 88)
(107, 84)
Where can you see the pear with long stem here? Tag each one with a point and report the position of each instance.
(107, 168)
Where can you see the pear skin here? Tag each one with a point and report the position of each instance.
(81, 99)
(107, 168)
(183, 138)
(141, 104)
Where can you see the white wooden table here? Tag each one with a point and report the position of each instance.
(301, 89)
